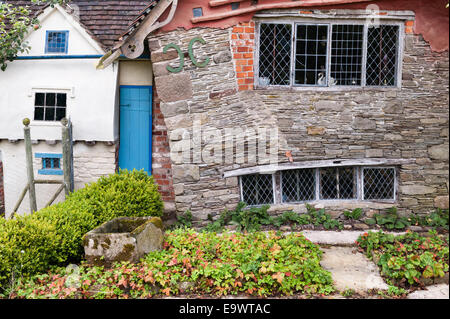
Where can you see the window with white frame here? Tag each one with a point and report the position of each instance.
(50, 106)
(325, 183)
(328, 54)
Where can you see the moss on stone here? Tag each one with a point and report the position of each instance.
(157, 222)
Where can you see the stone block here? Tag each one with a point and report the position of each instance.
(175, 108)
(441, 202)
(439, 152)
(360, 123)
(374, 153)
(123, 239)
(185, 173)
(159, 56)
(315, 130)
(174, 87)
(417, 189)
(222, 57)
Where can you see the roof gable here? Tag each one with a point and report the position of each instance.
(81, 40)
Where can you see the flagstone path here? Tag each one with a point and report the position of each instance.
(350, 269)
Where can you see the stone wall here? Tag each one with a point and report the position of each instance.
(407, 123)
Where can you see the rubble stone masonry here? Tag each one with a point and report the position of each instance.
(361, 123)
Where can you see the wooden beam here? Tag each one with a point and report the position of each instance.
(270, 169)
(281, 5)
(21, 197)
(55, 195)
(29, 162)
(133, 46)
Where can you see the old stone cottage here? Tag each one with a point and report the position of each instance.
(339, 104)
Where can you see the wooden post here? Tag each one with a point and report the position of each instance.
(66, 155)
(29, 159)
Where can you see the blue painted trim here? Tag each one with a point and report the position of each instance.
(47, 155)
(49, 171)
(68, 57)
(66, 44)
(58, 57)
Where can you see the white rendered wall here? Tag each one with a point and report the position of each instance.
(91, 93)
(90, 163)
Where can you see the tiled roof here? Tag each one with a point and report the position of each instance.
(106, 20)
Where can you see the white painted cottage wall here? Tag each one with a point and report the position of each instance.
(91, 93)
(91, 103)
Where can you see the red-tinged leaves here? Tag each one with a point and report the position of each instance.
(173, 262)
(166, 291)
(279, 277)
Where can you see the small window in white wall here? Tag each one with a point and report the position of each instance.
(51, 164)
(50, 106)
(56, 41)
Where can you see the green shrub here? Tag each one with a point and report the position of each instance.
(125, 194)
(26, 246)
(53, 236)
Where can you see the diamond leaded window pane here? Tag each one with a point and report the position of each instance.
(275, 54)
(346, 54)
(311, 55)
(382, 44)
(257, 189)
(379, 183)
(298, 185)
(338, 183)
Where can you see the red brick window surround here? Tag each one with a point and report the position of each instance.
(243, 46)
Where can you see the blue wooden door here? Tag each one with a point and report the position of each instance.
(135, 128)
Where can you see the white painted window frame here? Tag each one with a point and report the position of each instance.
(70, 93)
(294, 21)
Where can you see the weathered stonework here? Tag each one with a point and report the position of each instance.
(123, 239)
(392, 123)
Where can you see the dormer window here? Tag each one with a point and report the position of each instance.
(57, 42)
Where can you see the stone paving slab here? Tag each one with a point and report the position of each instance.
(351, 270)
(431, 292)
(326, 237)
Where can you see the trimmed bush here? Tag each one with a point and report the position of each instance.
(53, 236)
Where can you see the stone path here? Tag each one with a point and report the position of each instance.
(351, 270)
(325, 237)
(432, 292)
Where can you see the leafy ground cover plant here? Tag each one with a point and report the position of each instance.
(257, 264)
(251, 219)
(391, 220)
(407, 259)
(354, 214)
